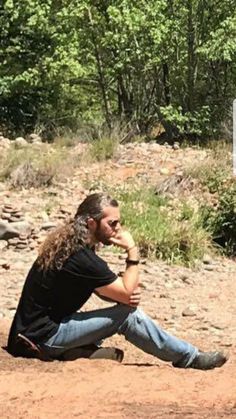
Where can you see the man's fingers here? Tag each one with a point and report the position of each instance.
(135, 297)
(116, 241)
(136, 293)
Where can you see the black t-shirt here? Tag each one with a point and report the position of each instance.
(49, 296)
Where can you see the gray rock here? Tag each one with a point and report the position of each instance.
(2, 186)
(5, 216)
(34, 138)
(203, 327)
(227, 344)
(188, 312)
(5, 143)
(5, 265)
(20, 142)
(13, 241)
(207, 260)
(21, 246)
(48, 226)
(14, 219)
(218, 326)
(186, 280)
(176, 146)
(8, 231)
(208, 267)
(22, 227)
(37, 145)
(3, 244)
(164, 295)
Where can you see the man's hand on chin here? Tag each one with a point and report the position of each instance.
(123, 239)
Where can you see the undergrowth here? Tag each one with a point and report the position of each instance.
(173, 234)
(31, 167)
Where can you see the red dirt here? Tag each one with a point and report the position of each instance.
(32, 389)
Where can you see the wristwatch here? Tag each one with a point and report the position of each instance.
(132, 262)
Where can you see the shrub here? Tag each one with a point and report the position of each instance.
(215, 170)
(32, 167)
(103, 149)
(163, 230)
(221, 220)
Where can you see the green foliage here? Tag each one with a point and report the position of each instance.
(218, 214)
(220, 221)
(196, 123)
(162, 230)
(67, 62)
(102, 149)
(215, 170)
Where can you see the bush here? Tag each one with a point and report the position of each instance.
(103, 149)
(36, 168)
(215, 170)
(163, 230)
(221, 220)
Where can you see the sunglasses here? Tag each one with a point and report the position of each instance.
(113, 223)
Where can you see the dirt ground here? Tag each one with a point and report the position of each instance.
(196, 305)
(31, 389)
(141, 386)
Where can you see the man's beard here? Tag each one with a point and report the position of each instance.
(100, 237)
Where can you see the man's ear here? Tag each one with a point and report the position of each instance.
(92, 224)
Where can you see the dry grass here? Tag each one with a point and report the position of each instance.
(37, 166)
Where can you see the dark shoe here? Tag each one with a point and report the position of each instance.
(208, 360)
(24, 347)
(114, 354)
(93, 352)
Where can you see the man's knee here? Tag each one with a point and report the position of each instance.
(133, 317)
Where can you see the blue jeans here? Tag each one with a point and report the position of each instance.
(84, 328)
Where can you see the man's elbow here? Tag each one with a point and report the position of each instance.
(123, 297)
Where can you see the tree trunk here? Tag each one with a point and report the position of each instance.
(191, 57)
(101, 77)
(166, 83)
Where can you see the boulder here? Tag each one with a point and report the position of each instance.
(34, 138)
(20, 142)
(7, 231)
(4, 142)
(22, 227)
(48, 226)
(164, 171)
(3, 244)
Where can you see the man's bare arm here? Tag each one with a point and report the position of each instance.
(123, 288)
(134, 299)
(109, 300)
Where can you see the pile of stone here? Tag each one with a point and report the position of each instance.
(25, 241)
(19, 243)
(18, 234)
(11, 214)
(34, 138)
(14, 230)
(20, 142)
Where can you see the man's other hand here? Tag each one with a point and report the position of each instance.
(135, 298)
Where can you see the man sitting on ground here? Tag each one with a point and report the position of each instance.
(47, 323)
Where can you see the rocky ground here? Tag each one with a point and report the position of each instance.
(197, 305)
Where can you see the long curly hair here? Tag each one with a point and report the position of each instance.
(74, 233)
